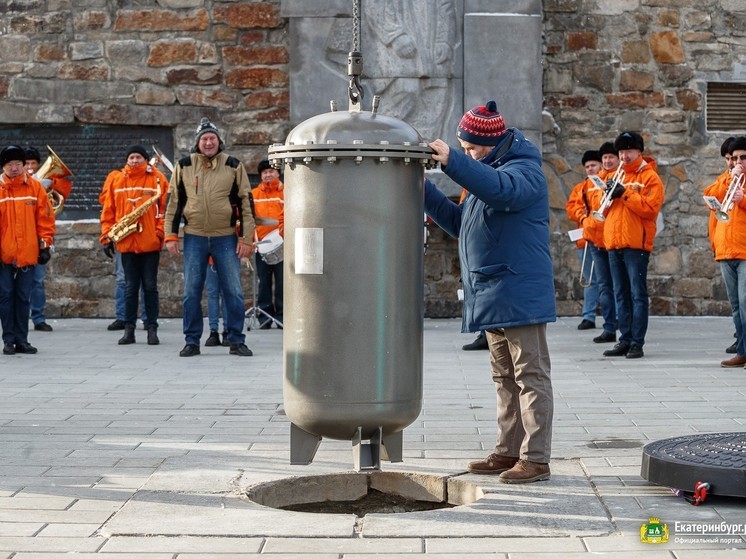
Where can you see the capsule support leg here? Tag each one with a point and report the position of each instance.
(303, 445)
(367, 456)
(391, 449)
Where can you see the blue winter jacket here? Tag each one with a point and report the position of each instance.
(503, 231)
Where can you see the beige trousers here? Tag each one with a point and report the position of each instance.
(521, 369)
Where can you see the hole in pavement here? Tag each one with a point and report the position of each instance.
(365, 492)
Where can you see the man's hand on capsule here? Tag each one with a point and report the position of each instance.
(442, 151)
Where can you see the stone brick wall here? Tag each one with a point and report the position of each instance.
(163, 63)
(80, 278)
(608, 66)
(642, 65)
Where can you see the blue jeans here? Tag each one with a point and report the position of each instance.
(590, 293)
(38, 295)
(266, 273)
(214, 300)
(15, 293)
(629, 272)
(119, 292)
(602, 274)
(734, 276)
(197, 250)
(141, 270)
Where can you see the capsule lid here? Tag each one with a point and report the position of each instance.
(345, 127)
(352, 135)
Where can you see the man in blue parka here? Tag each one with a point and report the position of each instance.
(503, 231)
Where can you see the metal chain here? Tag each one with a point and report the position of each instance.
(355, 60)
(356, 25)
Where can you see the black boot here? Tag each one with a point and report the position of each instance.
(479, 343)
(129, 336)
(153, 335)
(213, 339)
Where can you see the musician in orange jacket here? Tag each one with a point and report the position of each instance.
(578, 208)
(138, 187)
(629, 229)
(269, 202)
(724, 178)
(26, 239)
(601, 269)
(62, 186)
(730, 251)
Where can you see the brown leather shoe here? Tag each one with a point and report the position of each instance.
(737, 361)
(525, 472)
(493, 464)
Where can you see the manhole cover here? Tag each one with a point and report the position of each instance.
(365, 493)
(716, 458)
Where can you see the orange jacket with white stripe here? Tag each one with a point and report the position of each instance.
(579, 209)
(26, 218)
(269, 202)
(730, 236)
(631, 218)
(126, 190)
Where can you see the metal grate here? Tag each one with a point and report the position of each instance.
(725, 106)
(90, 152)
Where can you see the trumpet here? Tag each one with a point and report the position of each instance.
(606, 201)
(586, 282)
(161, 159)
(736, 183)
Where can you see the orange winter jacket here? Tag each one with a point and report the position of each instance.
(631, 219)
(62, 185)
(578, 209)
(126, 190)
(724, 179)
(730, 236)
(269, 201)
(26, 219)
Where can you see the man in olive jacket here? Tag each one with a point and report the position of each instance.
(506, 268)
(210, 191)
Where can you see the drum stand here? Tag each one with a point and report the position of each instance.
(253, 313)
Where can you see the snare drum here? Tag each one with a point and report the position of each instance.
(274, 256)
(271, 248)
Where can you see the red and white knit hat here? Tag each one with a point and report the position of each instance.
(482, 125)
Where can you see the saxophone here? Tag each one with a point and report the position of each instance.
(130, 223)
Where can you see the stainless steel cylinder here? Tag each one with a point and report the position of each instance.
(353, 273)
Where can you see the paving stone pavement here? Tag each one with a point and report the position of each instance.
(132, 452)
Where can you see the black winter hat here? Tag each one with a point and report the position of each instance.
(12, 153)
(739, 144)
(608, 147)
(263, 165)
(629, 140)
(32, 154)
(138, 149)
(591, 155)
(725, 147)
